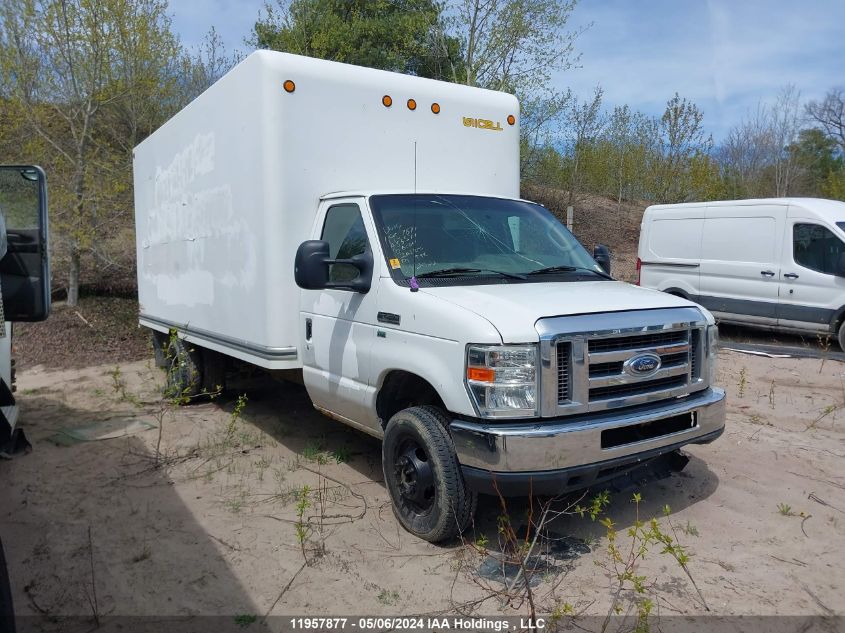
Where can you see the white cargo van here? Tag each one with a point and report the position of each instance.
(777, 263)
(363, 230)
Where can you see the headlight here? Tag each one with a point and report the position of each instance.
(502, 380)
(712, 353)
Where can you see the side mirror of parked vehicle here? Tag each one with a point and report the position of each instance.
(840, 265)
(312, 267)
(601, 254)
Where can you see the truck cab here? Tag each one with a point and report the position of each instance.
(485, 317)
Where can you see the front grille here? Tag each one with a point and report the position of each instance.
(564, 355)
(606, 378)
(637, 388)
(658, 339)
(598, 362)
(696, 346)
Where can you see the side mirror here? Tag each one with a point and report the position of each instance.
(601, 254)
(840, 265)
(25, 256)
(313, 264)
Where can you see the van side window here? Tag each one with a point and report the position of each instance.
(815, 247)
(345, 233)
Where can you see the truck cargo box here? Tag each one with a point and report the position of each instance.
(228, 188)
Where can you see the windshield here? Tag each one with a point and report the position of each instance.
(427, 235)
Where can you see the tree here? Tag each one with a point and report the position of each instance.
(784, 123)
(398, 35)
(513, 45)
(829, 113)
(84, 76)
(680, 139)
(584, 123)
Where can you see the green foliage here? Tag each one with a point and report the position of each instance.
(624, 560)
(398, 35)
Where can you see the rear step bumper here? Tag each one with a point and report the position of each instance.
(571, 453)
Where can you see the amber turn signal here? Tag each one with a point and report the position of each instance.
(481, 374)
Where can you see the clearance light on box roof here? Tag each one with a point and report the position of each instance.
(289, 86)
(387, 101)
(435, 107)
(412, 104)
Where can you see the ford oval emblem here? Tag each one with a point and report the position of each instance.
(642, 365)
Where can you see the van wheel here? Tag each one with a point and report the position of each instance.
(842, 335)
(423, 476)
(184, 370)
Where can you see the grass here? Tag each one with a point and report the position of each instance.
(244, 620)
(786, 510)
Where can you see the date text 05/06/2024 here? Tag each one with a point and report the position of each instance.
(409, 623)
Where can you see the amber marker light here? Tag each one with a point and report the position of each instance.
(387, 101)
(481, 374)
(435, 107)
(289, 86)
(412, 105)
(511, 119)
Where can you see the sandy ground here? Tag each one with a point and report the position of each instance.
(210, 525)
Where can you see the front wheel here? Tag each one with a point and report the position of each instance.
(423, 476)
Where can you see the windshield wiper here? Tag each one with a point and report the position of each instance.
(568, 269)
(457, 272)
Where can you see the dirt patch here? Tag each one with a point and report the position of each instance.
(99, 330)
(205, 520)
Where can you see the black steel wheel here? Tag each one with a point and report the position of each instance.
(423, 476)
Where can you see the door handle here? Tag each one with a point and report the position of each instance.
(767, 273)
(791, 276)
(308, 329)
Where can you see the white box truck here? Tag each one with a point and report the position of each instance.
(774, 263)
(363, 229)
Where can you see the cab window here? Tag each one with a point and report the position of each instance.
(344, 230)
(816, 247)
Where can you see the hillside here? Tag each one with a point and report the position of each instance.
(598, 220)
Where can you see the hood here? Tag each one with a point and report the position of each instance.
(514, 308)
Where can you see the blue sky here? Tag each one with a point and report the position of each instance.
(725, 55)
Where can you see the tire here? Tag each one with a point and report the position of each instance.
(184, 370)
(423, 477)
(842, 335)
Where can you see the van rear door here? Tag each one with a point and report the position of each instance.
(670, 249)
(740, 261)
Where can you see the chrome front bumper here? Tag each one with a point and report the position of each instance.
(543, 447)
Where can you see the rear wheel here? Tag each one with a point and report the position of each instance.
(423, 476)
(842, 335)
(184, 370)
